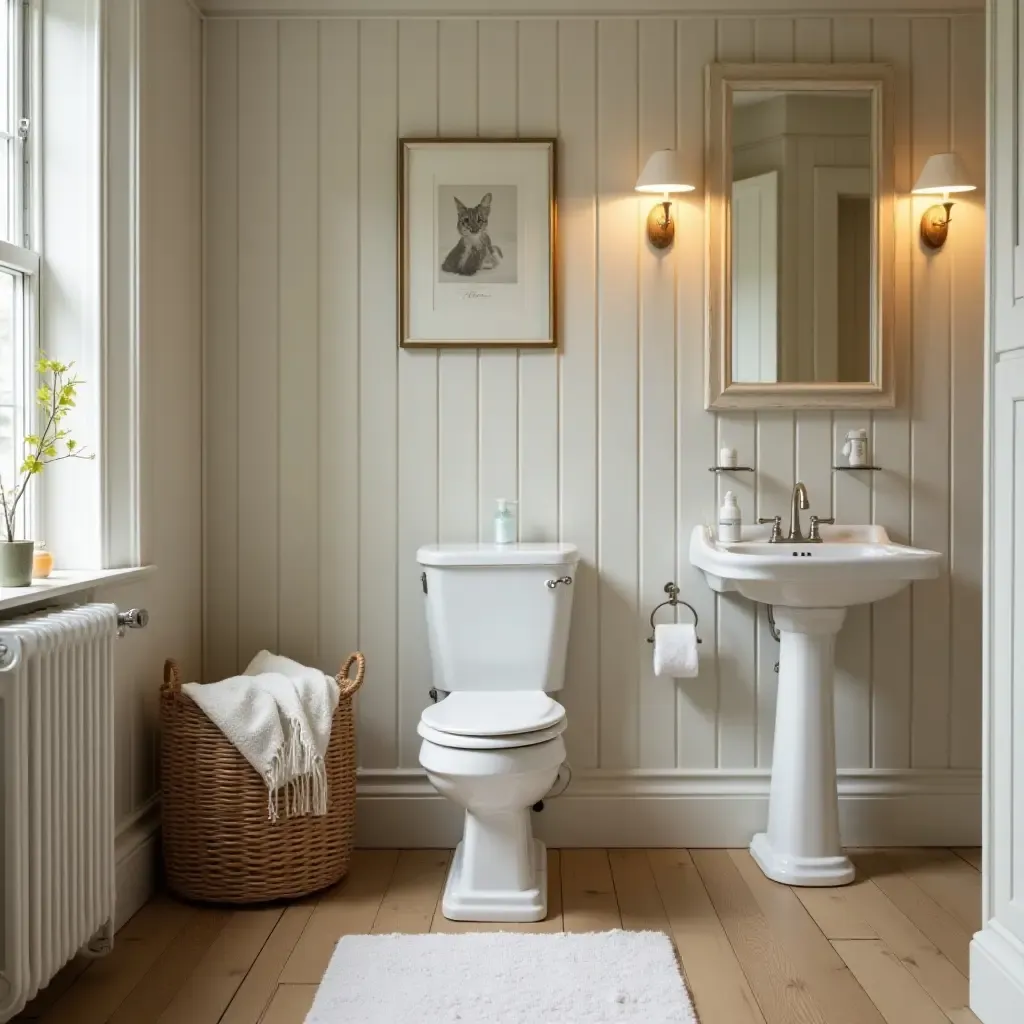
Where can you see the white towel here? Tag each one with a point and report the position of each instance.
(278, 716)
(675, 650)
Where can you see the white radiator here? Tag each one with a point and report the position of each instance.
(56, 724)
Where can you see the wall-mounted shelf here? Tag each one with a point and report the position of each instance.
(857, 469)
(730, 469)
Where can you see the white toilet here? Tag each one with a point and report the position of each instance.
(498, 623)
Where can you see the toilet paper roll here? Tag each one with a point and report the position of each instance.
(675, 650)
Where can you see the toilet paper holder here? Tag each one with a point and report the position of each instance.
(673, 599)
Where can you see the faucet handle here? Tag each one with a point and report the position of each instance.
(776, 522)
(817, 521)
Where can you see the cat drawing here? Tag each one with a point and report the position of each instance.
(475, 250)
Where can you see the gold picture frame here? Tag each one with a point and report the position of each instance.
(477, 228)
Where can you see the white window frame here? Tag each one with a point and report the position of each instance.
(21, 260)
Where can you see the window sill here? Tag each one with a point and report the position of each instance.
(66, 582)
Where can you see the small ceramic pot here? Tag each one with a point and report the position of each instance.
(16, 563)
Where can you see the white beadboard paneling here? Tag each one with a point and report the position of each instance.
(577, 299)
(890, 619)
(967, 362)
(458, 369)
(337, 376)
(221, 448)
(617, 344)
(298, 348)
(417, 419)
(377, 490)
(538, 368)
(696, 448)
(258, 338)
(657, 390)
(498, 400)
(605, 440)
(930, 440)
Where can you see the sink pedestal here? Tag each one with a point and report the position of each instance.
(801, 846)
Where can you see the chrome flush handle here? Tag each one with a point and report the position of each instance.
(567, 580)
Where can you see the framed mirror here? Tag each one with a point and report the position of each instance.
(800, 236)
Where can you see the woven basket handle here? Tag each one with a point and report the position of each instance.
(172, 677)
(348, 684)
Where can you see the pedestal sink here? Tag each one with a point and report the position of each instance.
(810, 586)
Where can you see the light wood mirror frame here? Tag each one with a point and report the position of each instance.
(721, 392)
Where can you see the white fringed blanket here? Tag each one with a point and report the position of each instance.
(278, 715)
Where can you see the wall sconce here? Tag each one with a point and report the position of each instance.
(942, 174)
(662, 173)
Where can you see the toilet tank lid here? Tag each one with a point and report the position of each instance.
(498, 554)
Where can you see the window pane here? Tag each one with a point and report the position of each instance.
(9, 150)
(7, 22)
(10, 413)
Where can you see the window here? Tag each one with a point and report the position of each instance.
(19, 264)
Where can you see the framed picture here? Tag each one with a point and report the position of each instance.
(476, 225)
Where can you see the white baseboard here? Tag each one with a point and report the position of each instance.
(136, 855)
(399, 808)
(997, 976)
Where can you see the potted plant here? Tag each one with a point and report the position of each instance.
(55, 398)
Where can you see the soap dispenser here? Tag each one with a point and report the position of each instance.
(505, 527)
(730, 520)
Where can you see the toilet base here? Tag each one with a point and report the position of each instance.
(511, 905)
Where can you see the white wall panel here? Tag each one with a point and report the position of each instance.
(605, 442)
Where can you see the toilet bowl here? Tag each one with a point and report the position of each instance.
(498, 623)
(495, 755)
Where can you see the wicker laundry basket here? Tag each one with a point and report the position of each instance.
(218, 843)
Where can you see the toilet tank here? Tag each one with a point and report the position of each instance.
(493, 621)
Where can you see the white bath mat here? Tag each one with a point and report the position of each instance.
(503, 978)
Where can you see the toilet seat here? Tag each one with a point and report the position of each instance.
(493, 712)
(494, 720)
(507, 742)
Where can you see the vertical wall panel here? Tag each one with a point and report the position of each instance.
(337, 376)
(657, 380)
(737, 617)
(890, 619)
(378, 408)
(617, 267)
(538, 370)
(577, 253)
(220, 354)
(605, 440)
(458, 381)
(852, 500)
(967, 60)
(930, 440)
(696, 449)
(498, 477)
(258, 320)
(775, 448)
(417, 419)
(299, 433)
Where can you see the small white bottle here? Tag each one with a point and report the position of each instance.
(505, 521)
(856, 448)
(728, 458)
(730, 520)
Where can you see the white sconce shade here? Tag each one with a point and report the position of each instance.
(943, 173)
(663, 173)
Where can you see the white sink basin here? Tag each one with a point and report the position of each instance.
(852, 565)
(810, 587)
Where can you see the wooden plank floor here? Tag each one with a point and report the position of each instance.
(889, 949)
